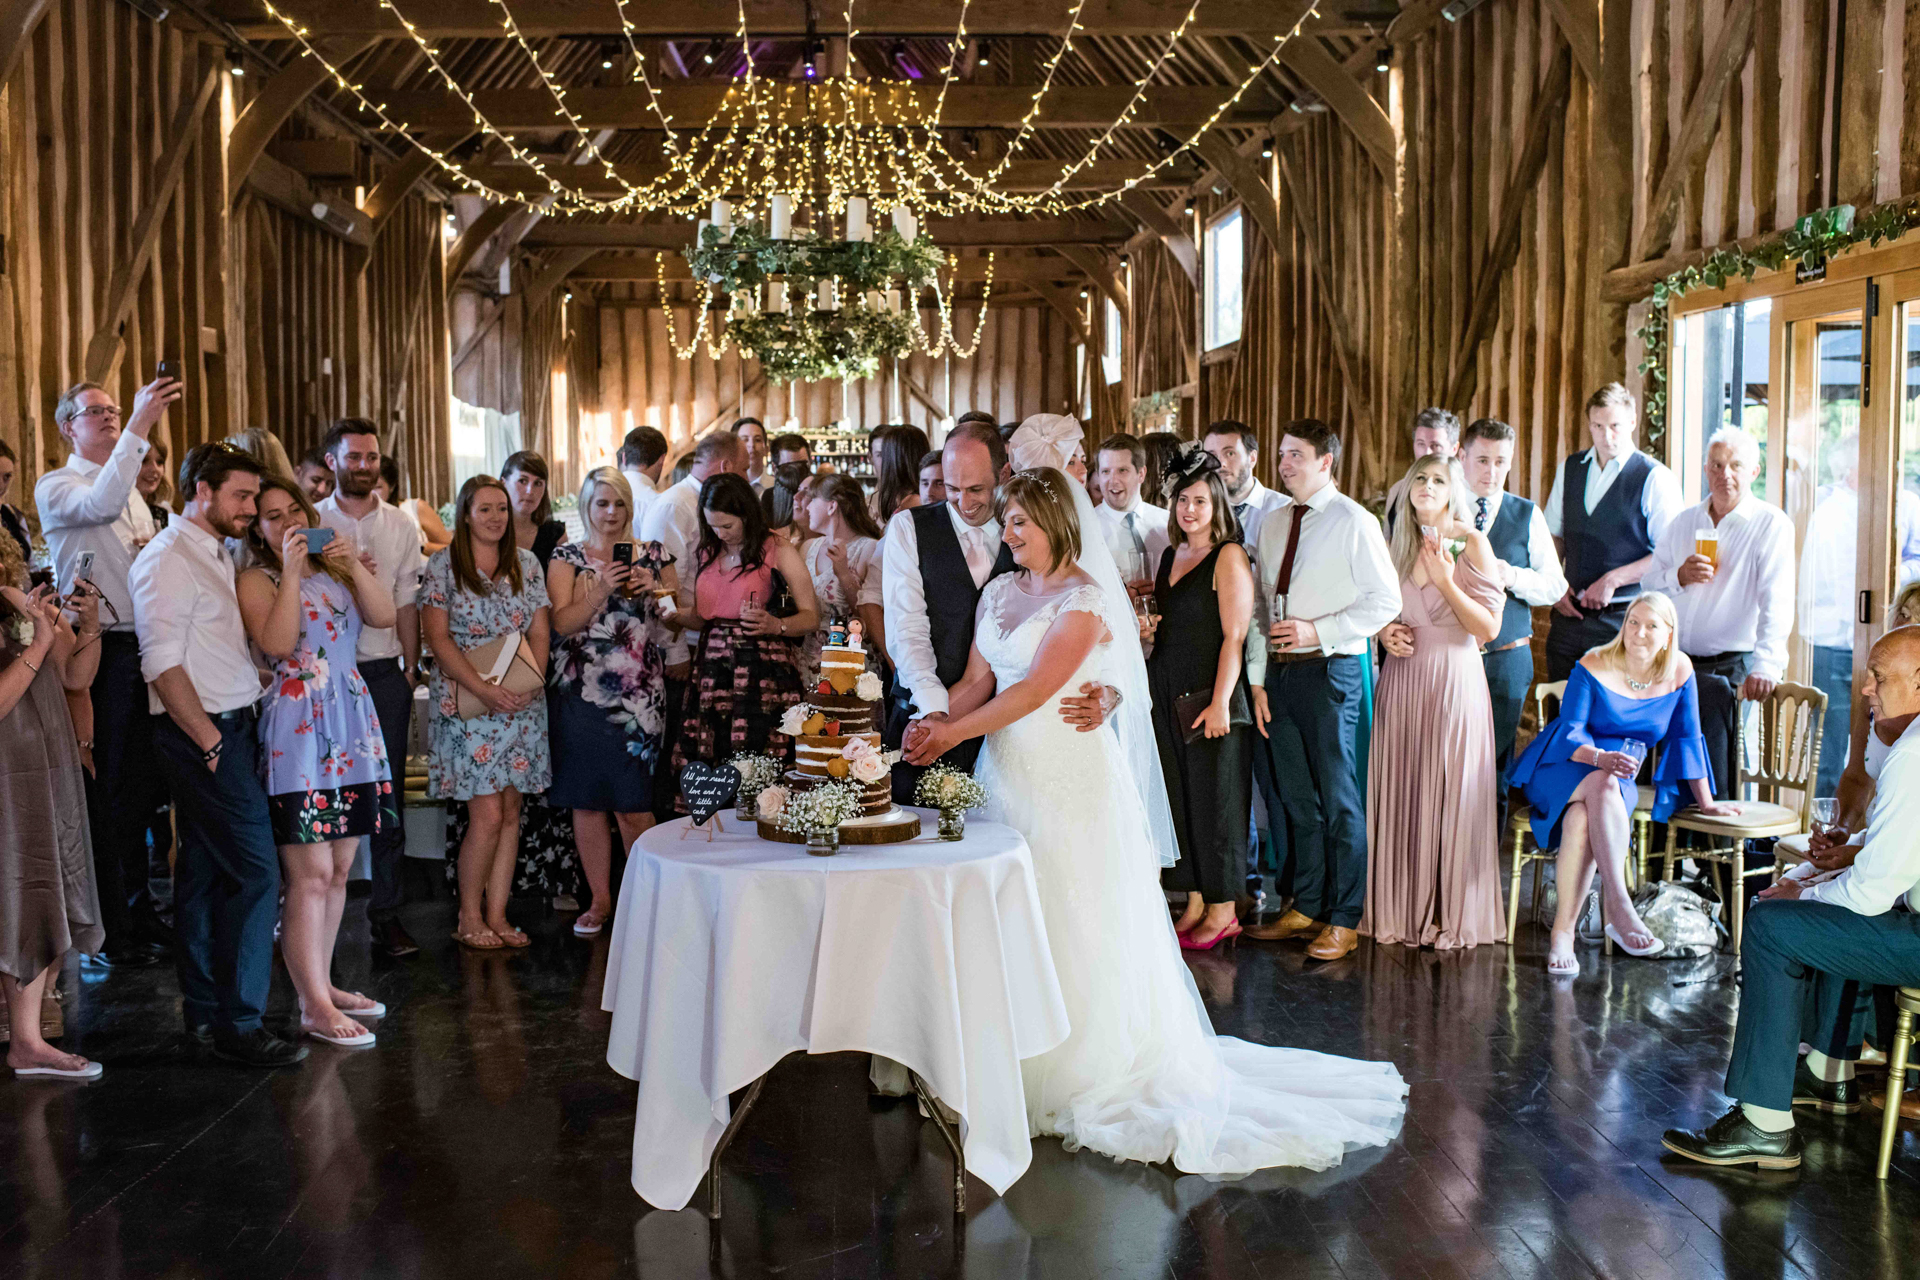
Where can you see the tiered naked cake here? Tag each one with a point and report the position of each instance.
(838, 740)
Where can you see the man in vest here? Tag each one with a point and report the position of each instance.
(936, 560)
(1529, 570)
(1608, 508)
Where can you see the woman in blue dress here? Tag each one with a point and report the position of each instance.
(328, 779)
(1579, 782)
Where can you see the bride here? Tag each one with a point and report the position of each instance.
(1142, 1076)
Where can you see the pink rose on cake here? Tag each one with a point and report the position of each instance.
(869, 767)
(858, 749)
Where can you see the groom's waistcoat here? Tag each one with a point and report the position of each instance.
(950, 593)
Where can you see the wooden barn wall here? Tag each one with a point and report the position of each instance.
(249, 299)
(1405, 251)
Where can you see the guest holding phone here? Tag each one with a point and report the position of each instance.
(747, 673)
(328, 779)
(606, 698)
(844, 563)
(485, 588)
(1203, 712)
(1625, 698)
(1433, 867)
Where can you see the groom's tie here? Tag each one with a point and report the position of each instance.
(973, 544)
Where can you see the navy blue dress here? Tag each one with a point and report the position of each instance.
(1592, 715)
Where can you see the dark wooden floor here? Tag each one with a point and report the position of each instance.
(484, 1136)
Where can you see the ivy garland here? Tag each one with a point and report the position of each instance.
(800, 344)
(1810, 242)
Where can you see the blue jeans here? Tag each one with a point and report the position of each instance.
(1316, 711)
(226, 892)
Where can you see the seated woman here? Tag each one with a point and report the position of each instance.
(1579, 781)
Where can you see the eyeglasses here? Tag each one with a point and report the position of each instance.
(98, 412)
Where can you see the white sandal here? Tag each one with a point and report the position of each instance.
(1620, 940)
(374, 1010)
(360, 1039)
(1569, 970)
(92, 1071)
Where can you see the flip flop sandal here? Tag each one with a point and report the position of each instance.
(472, 943)
(509, 936)
(92, 1071)
(359, 1039)
(374, 1010)
(589, 925)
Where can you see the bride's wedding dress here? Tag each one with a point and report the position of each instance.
(1142, 1076)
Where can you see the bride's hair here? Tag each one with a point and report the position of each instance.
(1043, 494)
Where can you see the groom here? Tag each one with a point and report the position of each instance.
(936, 561)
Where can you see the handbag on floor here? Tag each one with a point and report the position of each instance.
(1681, 918)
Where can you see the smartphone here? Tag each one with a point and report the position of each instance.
(623, 553)
(316, 539)
(83, 570)
(169, 368)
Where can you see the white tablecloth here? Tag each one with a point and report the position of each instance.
(727, 956)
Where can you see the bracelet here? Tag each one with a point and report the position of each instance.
(29, 661)
(206, 757)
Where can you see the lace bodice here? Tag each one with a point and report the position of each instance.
(1009, 625)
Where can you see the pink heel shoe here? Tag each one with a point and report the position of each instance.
(1227, 934)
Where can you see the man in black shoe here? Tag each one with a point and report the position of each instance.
(193, 653)
(386, 655)
(1832, 937)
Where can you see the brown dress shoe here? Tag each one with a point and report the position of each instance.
(1333, 943)
(1909, 1103)
(1291, 925)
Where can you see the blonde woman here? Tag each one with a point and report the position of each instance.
(265, 448)
(1624, 700)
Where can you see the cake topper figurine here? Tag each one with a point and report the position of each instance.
(836, 632)
(854, 633)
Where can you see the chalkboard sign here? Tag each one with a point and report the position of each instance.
(708, 788)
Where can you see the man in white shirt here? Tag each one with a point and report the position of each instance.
(193, 652)
(753, 434)
(1237, 449)
(1830, 939)
(1735, 605)
(387, 656)
(92, 515)
(1136, 530)
(935, 562)
(643, 453)
(1608, 508)
(1529, 570)
(1326, 586)
(1435, 431)
(673, 521)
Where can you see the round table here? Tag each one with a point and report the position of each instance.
(728, 954)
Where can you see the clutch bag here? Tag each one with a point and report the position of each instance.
(503, 661)
(1189, 707)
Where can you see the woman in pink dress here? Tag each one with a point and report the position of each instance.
(1433, 870)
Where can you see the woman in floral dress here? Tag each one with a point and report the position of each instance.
(478, 589)
(607, 691)
(328, 779)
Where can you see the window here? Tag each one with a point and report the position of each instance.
(1224, 252)
(1719, 361)
(1111, 348)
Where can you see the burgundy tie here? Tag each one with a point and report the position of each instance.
(1293, 544)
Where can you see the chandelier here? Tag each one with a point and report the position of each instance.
(808, 306)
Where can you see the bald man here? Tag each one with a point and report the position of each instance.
(1833, 940)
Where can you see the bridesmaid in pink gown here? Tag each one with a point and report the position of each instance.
(1433, 871)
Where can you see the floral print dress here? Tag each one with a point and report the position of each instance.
(324, 760)
(487, 754)
(606, 705)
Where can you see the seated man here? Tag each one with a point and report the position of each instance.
(1814, 950)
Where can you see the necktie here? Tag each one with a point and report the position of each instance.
(1240, 510)
(1480, 517)
(1285, 580)
(976, 553)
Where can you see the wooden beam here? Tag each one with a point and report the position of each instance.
(1688, 158)
(1067, 303)
(283, 188)
(691, 18)
(1244, 178)
(1101, 270)
(1321, 260)
(925, 397)
(1579, 22)
(284, 91)
(1611, 181)
(1022, 269)
(104, 347)
(1019, 175)
(478, 232)
(18, 18)
(1037, 233)
(552, 272)
(967, 106)
(1549, 110)
(478, 336)
(400, 179)
(1345, 97)
(1170, 230)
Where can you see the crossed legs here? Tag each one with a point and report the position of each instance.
(1595, 831)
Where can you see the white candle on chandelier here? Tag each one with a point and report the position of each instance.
(857, 228)
(780, 216)
(873, 300)
(893, 301)
(903, 222)
(777, 295)
(721, 215)
(828, 296)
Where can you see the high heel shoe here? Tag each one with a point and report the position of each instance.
(1227, 934)
(1620, 941)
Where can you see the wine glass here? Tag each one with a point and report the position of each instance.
(1635, 750)
(1825, 810)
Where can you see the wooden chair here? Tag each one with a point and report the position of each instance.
(1787, 759)
(1906, 1000)
(1546, 705)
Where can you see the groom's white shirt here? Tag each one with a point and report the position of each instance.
(904, 597)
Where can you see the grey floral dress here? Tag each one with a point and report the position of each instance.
(488, 754)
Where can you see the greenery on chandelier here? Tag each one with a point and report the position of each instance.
(799, 346)
(751, 258)
(1808, 242)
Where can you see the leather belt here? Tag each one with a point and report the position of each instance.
(1288, 659)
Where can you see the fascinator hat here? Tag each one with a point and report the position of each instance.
(1189, 462)
(1045, 440)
